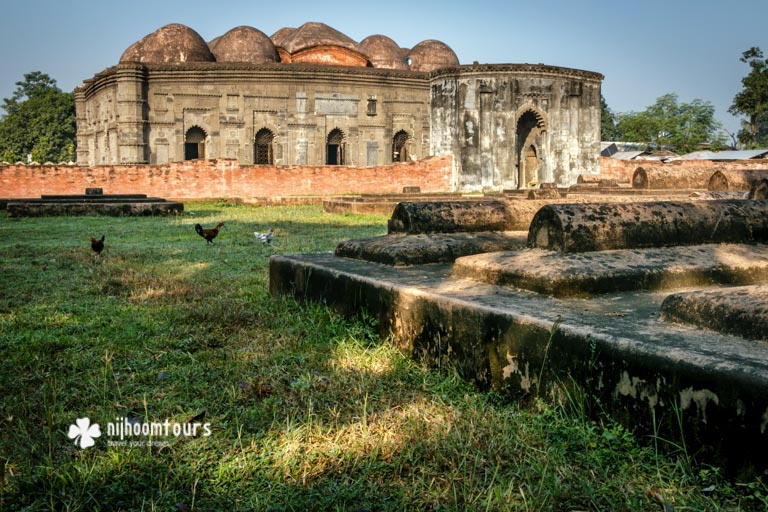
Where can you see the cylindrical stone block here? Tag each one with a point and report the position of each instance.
(603, 226)
(671, 177)
(462, 216)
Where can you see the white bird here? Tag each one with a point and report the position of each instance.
(265, 238)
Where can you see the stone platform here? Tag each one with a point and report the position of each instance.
(612, 351)
(115, 205)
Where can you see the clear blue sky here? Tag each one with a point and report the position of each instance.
(645, 49)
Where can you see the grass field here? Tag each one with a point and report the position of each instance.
(297, 408)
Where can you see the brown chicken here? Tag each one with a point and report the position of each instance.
(97, 245)
(208, 234)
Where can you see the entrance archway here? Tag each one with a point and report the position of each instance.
(262, 147)
(400, 146)
(194, 143)
(529, 127)
(334, 148)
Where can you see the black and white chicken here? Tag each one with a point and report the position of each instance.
(265, 238)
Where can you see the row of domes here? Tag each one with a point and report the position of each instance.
(312, 43)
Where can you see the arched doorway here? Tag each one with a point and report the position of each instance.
(334, 148)
(528, 129)
(400, 146)
(194, 143)
(262, 147)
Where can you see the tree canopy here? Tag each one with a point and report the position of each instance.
(752, 100)
(39, 121)
(669, 124)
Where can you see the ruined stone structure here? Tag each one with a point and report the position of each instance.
(313, 96)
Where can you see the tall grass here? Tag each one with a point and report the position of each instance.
(307, 410)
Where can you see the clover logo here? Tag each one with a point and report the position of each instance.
(83, 431)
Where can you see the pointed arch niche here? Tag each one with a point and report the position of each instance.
(263, 151)
(530, 125)
(400, 150)
(335, 148)
(194, 143)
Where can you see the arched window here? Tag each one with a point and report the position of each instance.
(335, 148)
(194, 143)
(400, 146)
(262, 147)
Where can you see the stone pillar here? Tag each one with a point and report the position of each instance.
(83, 156)
(131, 106)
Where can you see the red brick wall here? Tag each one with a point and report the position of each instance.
(622, 170)
(215, 179)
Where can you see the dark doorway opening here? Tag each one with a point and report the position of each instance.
(194, 144)
(335, 148)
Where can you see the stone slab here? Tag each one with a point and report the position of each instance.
(613, 350)
(580, 274)
(741, 310)
(114, 209)
(402, 249)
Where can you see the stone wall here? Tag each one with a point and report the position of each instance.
(215, 179)
(623, 170)
(516, 125)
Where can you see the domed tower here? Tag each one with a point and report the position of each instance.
(430, 55)
(244, 44)
(383, 52)
(317, 43)
(171, 44)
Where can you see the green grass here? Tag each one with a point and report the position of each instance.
(307, 410)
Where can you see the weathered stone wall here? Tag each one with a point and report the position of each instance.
(513, 126)
(507, 126)
(214, 179)
(148, 110)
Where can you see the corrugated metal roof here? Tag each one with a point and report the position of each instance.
(627, 155)
(698, 155)
(740, 155)
(725, 155)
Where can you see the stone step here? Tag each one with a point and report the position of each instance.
(658, 378)
(740, 310)
(402, 249)
(581, 274)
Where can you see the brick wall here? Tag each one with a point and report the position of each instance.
(622, 170)
(215, 179)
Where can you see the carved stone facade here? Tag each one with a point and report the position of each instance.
(507, 126)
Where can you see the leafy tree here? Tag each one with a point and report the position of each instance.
(607, 121)
(681, 127)
(39, 121)
(752, 101)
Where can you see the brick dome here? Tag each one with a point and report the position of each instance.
(244, 44)
(317, 43)
(171, 44)
(383, 52)
(430, 55)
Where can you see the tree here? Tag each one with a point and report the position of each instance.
(752, 101)
(39, 121)
(607, 121)
(667, 124)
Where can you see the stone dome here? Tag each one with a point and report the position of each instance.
(318, 34)
(317, 43)
(383, 52)
(281, 36)
(430, 55)
(244, 44)
(171, 44)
